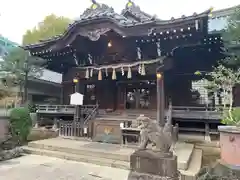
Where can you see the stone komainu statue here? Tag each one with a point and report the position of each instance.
(151, 131)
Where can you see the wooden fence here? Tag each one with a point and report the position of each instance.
(76, 128)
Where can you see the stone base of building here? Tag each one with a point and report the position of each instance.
(142, 176)
(152, 164)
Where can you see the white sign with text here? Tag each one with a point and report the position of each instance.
(76, 99)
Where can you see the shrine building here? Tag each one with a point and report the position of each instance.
(115, 57)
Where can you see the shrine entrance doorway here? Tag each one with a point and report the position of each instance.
(138, 95)
(137, 98)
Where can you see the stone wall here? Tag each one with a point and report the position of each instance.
(42, 133)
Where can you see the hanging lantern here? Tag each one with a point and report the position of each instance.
(110, 44)
(122, 69)
(129, 75)
(75, 80)
(99, 75)
(159, 75)
(143, 72)
(87, 74)
(91, 73)
(114, 77)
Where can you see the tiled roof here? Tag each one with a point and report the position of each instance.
(136, 13)
(131, 16)
(101, 11)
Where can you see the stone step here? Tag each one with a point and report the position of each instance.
(79, 158)
(189, 174)
(184, 153)
(194, 166)
(79, 150)
(189, 159)
(107, 151)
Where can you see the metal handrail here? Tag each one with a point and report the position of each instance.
(92, 114)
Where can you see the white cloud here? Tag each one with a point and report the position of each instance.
(18, 16)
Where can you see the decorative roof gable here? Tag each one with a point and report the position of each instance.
(97, 11)
(100, 18)
(134, 12)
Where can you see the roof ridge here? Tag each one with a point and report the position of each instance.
(99, 10)
(136, 11)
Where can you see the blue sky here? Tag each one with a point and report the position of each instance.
(19, 15)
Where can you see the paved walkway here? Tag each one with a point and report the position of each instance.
(33, 167)
(85, 145)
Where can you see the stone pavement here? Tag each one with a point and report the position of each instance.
(33, 167)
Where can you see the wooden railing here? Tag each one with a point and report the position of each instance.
(64, 109)
(79, 129)
(56, 109)
(71, 129)
(207, 113)
(197, 108)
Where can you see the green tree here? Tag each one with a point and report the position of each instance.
(20, 123)
(52, 25)
(17, 67)
(231, 38)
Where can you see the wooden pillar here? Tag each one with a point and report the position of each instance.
(160, 99)
(77, 114)
(62, 95)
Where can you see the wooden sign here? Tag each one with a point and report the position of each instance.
(76, 99)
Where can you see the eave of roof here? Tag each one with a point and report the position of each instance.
(102, 13)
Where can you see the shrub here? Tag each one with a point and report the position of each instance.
(213, 173)
(232, 117)
(20, 122)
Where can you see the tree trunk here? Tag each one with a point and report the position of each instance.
(224, 98)
(20, 92)
(25, 87)
(231, 100)
(230, 104)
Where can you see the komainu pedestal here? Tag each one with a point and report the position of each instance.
(158, 163)
(153, 165)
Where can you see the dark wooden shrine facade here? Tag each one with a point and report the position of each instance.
(101, 47)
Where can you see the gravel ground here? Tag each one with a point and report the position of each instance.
(33, 167)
